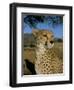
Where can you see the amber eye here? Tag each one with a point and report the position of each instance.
(45, 35)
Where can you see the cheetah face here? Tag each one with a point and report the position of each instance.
(44, 37)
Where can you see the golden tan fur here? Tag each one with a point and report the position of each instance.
(47, 61)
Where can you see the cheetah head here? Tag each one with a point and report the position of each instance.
(44, 37)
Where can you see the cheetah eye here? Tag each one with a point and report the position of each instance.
(44, 35)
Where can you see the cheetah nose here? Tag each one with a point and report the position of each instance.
(51, 42)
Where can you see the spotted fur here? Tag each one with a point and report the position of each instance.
(47, 60)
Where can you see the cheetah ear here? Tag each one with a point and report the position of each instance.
(35, 31)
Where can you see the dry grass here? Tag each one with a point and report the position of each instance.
(29, 54)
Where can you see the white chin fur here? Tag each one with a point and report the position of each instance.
(50, 46)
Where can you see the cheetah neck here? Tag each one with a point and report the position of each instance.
(40, 49)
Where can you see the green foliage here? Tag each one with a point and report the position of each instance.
(58, 40)
(33, 20)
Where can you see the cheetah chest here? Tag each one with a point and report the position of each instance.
(43, 63)
(47, 63)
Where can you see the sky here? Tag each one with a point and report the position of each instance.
(57, 29)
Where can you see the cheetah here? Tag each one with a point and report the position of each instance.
(47, 58)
